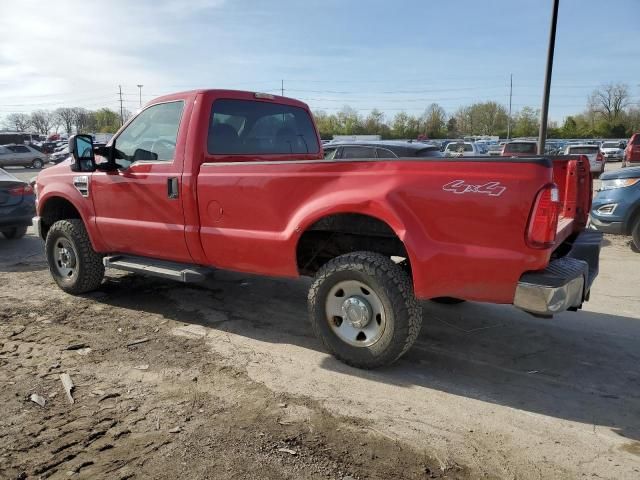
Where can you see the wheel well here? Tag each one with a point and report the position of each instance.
(55, 209)
(632, 220)
(338, 234)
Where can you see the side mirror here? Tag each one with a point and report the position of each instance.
(81, 149)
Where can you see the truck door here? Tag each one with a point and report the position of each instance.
(138, 207)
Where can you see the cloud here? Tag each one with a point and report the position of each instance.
(86, 47)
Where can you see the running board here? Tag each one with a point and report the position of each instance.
(181, 272)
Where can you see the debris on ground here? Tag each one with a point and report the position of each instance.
(38, 399)
(67, 384)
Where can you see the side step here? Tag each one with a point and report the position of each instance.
(180, 272)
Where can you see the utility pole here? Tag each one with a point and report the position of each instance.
(121, 109)
(544, 114)
(510, 97)
(140, 89)
(282, 88)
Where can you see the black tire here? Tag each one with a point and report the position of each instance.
(88, 270)
(14, 233)
(447, 300)
(393, 290)
(37, 163)
(635, 235)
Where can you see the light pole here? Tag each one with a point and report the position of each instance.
(140, 89)
(544, 115)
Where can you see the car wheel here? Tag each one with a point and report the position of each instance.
(363, 309)
(635, 235)
(73, 263)
(447, 300)
(37, 163)
(14, 233)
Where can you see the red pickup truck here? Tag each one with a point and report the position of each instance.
(237, 180)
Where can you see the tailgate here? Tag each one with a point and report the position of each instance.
(573, 177)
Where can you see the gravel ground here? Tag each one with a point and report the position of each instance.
(231, 383)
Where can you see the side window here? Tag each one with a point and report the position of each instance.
(22, 149)
(384, 153)
(151, 135)
(248, 127)
(330, 153)
(358, 152)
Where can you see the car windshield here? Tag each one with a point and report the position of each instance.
(610, 145)
(460, 147)
(520, 148)
(583, 150)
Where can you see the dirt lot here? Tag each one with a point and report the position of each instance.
(231, 383)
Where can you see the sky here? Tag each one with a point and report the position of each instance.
(394, 55)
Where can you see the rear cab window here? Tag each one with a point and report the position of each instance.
(251, 127)
(459, 147)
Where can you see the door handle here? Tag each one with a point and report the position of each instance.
(172, 187)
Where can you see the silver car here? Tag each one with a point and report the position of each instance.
(22, 156)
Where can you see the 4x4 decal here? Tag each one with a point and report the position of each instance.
(493, 189)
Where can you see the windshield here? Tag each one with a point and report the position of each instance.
(521, 148)
(459, 147)
(610, 145)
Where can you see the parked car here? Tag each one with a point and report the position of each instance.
(246, 187)
(495, 149)
(17, 206)
(612, 151)
(462, 149)
(519, 148)
(22, 156)
(593, 153)
(632, 152)
(380, 149)
(616, 206)
(59, 156)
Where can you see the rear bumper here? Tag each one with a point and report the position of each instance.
(565, 283)
(17, 215)
(615, 228)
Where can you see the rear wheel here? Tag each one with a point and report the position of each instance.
(73, 263)
(37, 163)
(363, 309)
(14, 233)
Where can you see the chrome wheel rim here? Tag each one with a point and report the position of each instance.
(355, 313)
(65, 259)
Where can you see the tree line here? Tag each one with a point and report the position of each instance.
(66, 119)
(609, 113)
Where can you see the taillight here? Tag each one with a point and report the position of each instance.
(599, 158)
(543, 222)
(20, 190)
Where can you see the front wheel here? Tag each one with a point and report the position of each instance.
(635, 235)
(363, 309)
(73, 263)
(14, 233)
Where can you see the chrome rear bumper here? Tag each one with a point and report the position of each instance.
(565, 283)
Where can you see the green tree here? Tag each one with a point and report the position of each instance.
(434, 120)
(526, 123)
(107, 121)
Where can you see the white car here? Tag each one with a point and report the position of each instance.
(612, 151)
(593, 153)
(463, 149)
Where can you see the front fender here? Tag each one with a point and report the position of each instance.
(63, 189)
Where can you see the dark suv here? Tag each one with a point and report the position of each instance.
(379, 149)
